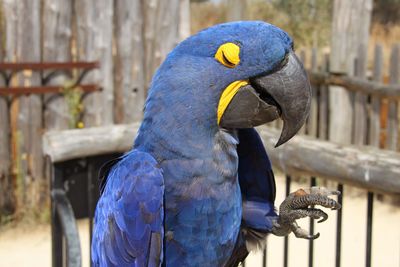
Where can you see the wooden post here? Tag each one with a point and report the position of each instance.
(236, 10)
(374, 124)
(94, 23)
(7, 201)
(323, 119)
(350, 29)
(23, 44)
(56, 25)
(161, 32)
(184, 19)
(393, 124)
(154, 27)
(303, 59)
(312, 122)
(129, 71)
(360, 108)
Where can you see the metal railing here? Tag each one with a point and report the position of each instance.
(81, 153)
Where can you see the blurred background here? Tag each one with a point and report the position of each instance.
(75, 75)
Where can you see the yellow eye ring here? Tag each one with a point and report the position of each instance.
(228, 55)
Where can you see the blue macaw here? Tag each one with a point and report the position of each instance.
(198, 189)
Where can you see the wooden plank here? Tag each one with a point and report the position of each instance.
(236, 10)
(374, 124)
(365, 166)
(27, 125)
(184, 19)
(312, 122)
(302, 57)
(323, 104)
(94, 24)
(360, 101)
(150, 8)
(78, 143)
(129, 62)
(393, 124)
(391, 91)
(9, 9)
(350, 29)
(161, 32)
(7, 201)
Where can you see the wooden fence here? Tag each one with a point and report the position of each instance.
(374, 95)
(128, 38)
(77, 154)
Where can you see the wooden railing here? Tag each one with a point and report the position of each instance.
(367, 167)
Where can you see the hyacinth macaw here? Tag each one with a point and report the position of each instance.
(198, 189)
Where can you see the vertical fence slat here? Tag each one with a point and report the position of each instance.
(360, 101)
(7, 204)
(323, 116)
(312, 122)
(57, 31)
(303, 60)
(94, 23)
(129, 62)
(374, 124)
(161, 32)
(26, 111)
(392, 129)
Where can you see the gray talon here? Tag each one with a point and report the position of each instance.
(300, 204)
(312, 237)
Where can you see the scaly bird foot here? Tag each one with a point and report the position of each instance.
(300, 204)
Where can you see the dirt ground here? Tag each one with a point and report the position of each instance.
(30, 245)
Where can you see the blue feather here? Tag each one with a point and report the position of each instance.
(129, 212)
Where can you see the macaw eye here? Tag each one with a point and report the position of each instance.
(228, 55)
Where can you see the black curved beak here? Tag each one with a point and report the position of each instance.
(285, 93)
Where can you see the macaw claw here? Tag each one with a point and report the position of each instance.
(300, 204)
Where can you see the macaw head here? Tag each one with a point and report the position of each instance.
(232, 75)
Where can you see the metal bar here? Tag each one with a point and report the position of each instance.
(313, 182)
(56, 231)
(49, 65)
(90, 172)
(69, 228)
(44, 89)
(265, 256)
(286, 239)
(370, 206)
(339, 226)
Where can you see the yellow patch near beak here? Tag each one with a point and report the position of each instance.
(227, 95)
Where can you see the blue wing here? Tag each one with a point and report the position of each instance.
(128, 228)
(257, 185)
(257, 182)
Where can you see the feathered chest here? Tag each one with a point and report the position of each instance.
(204, 177)
(203, 205)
